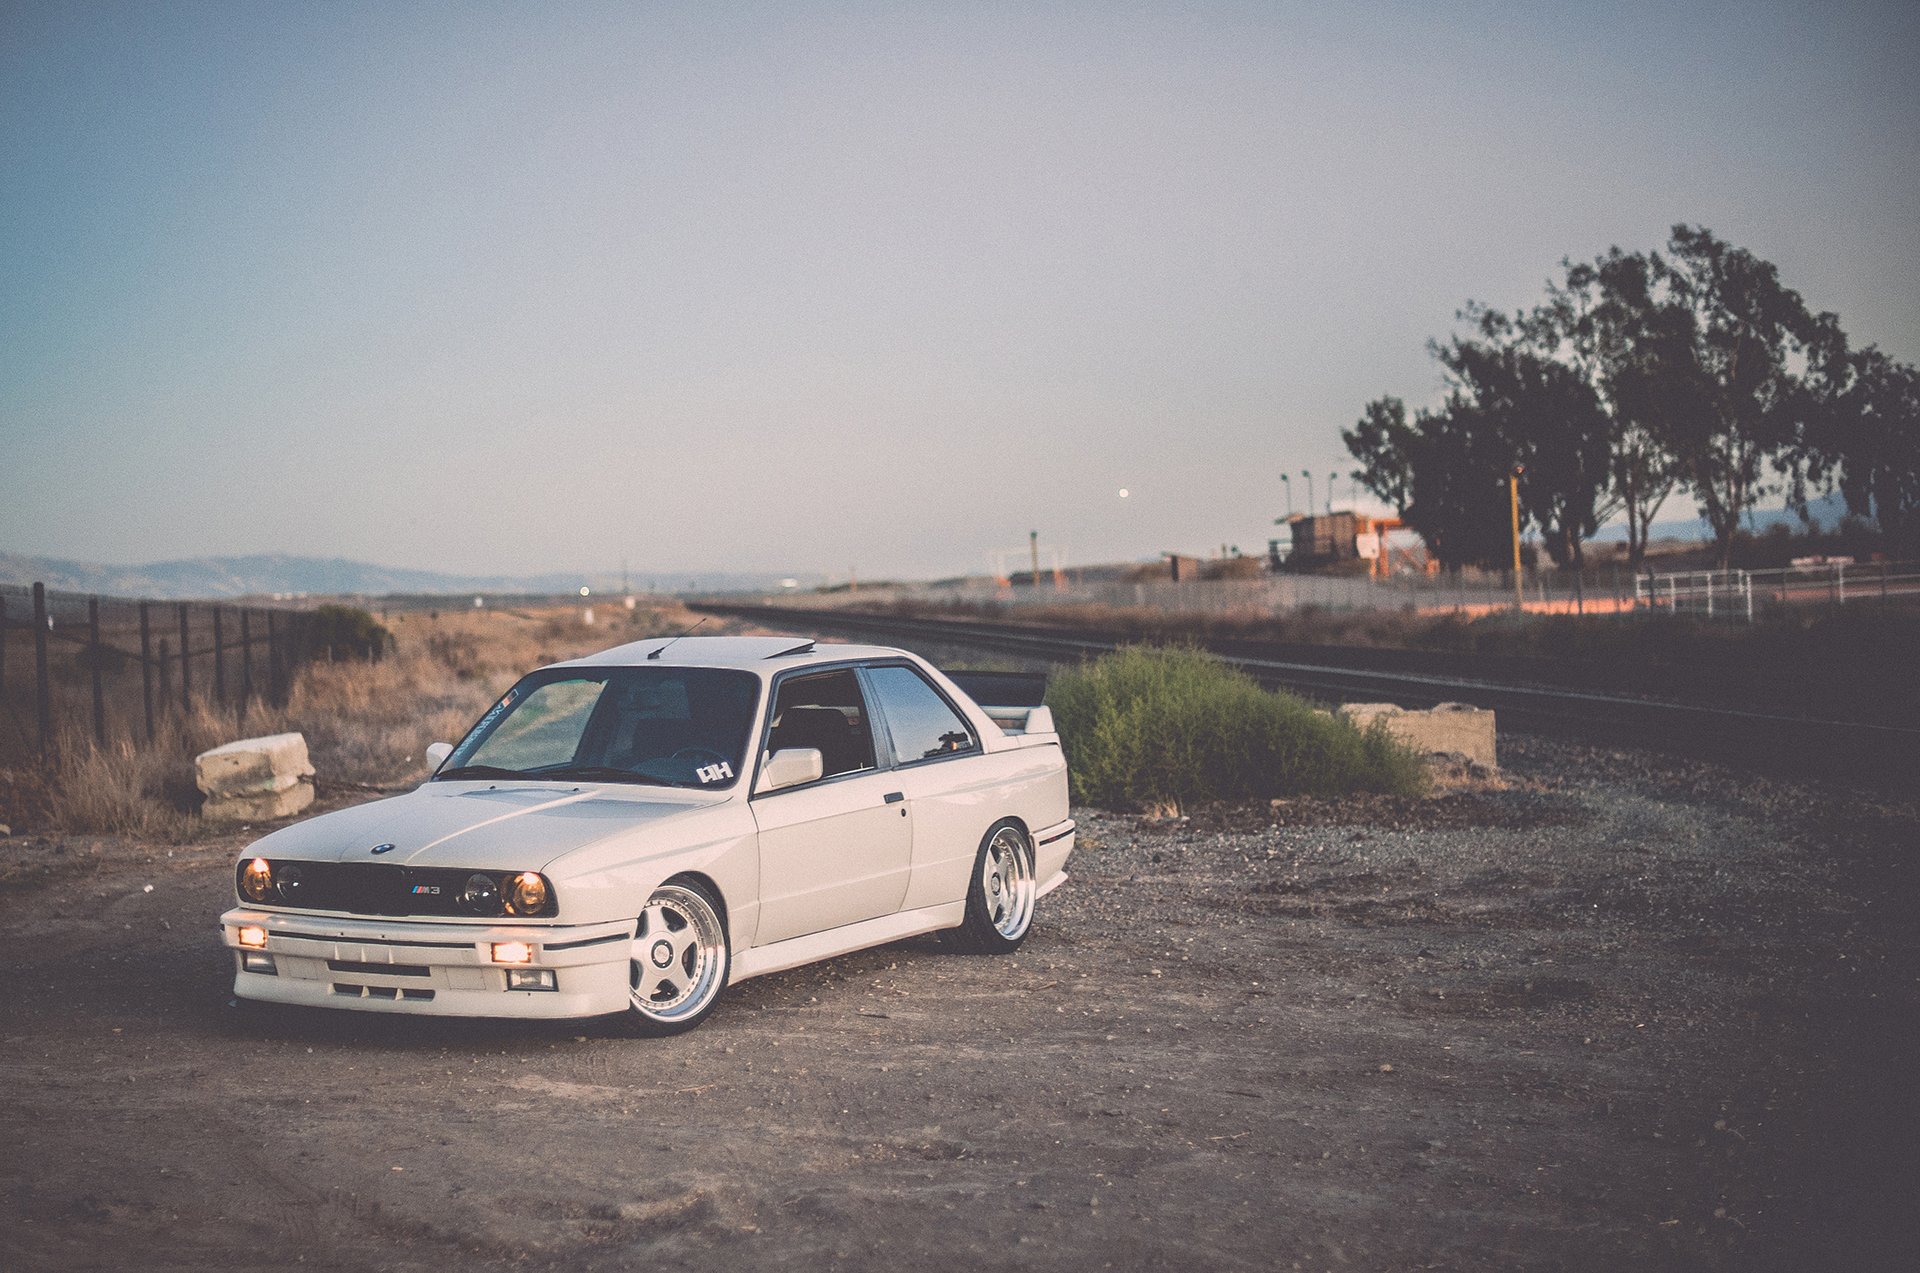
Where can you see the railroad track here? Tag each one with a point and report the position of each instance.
(1798, 746)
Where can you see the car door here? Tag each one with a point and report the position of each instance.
(838, 850)
(954, 790)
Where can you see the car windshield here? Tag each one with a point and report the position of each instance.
(671, 726)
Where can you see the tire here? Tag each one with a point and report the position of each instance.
(679, 960)
(1000, 894)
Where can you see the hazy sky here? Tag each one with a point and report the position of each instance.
(803, 287)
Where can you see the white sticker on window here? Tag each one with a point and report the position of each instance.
(714, 773)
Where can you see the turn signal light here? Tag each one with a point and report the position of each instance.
(512, 952)
(254, 937)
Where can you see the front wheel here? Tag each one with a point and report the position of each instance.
(1001, 894)
(678, 963)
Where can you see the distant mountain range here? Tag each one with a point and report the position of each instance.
(1827, 512)
(278, 573)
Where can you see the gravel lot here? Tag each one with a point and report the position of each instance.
(1616, 1012)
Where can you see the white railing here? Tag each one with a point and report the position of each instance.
(1738, 594)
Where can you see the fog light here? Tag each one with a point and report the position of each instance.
(512, 952)
(258, 961)
(254, 937)
(531, 979)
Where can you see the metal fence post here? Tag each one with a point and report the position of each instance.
(95, 656)
(164, 664)
(186, 671)
(219, 661)
(273, 660)
(246, 664)
(42, 692)
(146, 668)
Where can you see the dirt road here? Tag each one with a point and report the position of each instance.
(1626, 1014)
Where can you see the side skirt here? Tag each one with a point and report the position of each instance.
(811, 948)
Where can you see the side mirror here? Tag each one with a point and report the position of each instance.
(792, 766)
(437, 754)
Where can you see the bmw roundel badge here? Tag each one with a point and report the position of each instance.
(381, 848)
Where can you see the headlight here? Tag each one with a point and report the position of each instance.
(526, 894)
(287, 883)
(256, 880)
(480, 896)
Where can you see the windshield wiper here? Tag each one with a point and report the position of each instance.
(594, 773)
(480, 771)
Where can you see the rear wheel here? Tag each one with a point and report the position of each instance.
(1001, 894)
(678, 963)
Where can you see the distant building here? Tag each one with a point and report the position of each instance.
(1322, 538)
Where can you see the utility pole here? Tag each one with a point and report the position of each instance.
(1513, 493)
(1033, 546)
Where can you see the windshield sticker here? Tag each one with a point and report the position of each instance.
(493, 713)
(714, 773)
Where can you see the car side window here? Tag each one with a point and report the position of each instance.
(920, 722)
(826, 712)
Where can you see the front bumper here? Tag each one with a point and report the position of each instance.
(429, 969)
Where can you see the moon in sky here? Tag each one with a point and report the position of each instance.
(1123, 492)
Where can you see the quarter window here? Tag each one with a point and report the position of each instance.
(920, 721)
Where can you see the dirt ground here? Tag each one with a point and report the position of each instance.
(1624, 1013)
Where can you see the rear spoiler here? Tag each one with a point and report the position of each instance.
(1012, 700)
(1002, 689)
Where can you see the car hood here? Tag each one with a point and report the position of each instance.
(488, 827)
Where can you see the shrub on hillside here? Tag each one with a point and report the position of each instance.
(1148, 727)
(337, 634)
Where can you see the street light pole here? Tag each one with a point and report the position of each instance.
(1033, 545)
(1308, 474)
(1513, 493)
(1287, 482)
(1330, 480)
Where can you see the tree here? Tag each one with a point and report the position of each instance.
(1605, 323)
(1383, 442)
(1867, 442)
(1444, 472)
(1740, 347)
(1458, 503)
(1543, 414)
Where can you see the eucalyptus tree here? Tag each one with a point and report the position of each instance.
(1444, 471)
(1867, 444)
(1603, 321)
(1738, 346)
(1546, 416)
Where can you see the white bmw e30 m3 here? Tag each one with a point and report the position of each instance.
(636, 830)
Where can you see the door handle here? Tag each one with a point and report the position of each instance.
(895, 797)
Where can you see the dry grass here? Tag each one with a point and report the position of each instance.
(366, 724)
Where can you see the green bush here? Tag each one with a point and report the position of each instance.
(1148, 727)
(338, 634)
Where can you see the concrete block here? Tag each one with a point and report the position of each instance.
(1452, 729)
(263, 807)
(253, 767)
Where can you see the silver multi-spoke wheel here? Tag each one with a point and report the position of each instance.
(678, 963)
(1001, 894)
(1007, 884)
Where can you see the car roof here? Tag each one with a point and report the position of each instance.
(770, 652)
